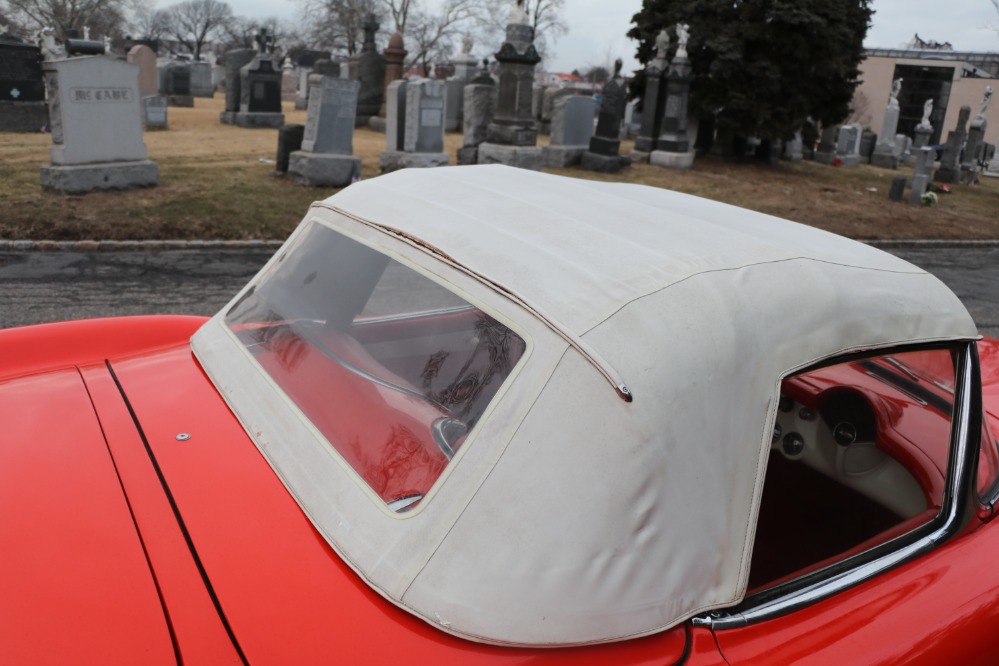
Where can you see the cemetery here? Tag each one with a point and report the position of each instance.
(242, 141)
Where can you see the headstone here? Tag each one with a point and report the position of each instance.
(326, 158)
(628, 126)
(897, 191)
(538, 110)
(848, 145)
(868, 140)
(289, 140)
(903, 148)
(455, 104)
(22, 88)
(154, 112)
(145, 58)
(395, 120)
(464, 70)
(235, 60)
(572, 125)
(96, 120)
(423, 128)
(465, 64)
(480, 106)
(673, 147)
(302, 88)
(604, 145)
(792, 149)
(921, 177)
(260, 90)
(512, 135)
(201, 80)
(992, 164)
(395, 56)
(886, 154)
(654, 101)
(289, 82)
(552, 94)
(826, 152)
(974, 148)
(370, 73)
(175, 81)
(950, 161)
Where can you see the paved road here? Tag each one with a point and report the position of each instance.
(42, 286)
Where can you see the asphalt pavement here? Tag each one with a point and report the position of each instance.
(40, 286)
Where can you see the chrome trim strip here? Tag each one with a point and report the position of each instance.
(955, 502)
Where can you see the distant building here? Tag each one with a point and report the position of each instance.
(951, 78)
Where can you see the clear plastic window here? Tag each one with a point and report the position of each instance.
(391, 367)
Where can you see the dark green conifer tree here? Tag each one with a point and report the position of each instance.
(763, 66)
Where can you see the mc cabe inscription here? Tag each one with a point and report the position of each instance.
(100, 95)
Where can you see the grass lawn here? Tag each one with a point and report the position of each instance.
(213, 185)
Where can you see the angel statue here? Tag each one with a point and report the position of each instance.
(927, 110)
(662, 44)
(896, 88)
(682, 35)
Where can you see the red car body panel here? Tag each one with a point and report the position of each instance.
(83, 583)
(287, 595)
(942, 608)
(74, 581)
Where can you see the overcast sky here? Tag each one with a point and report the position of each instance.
(597, 27)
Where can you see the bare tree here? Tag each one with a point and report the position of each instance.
(147, 22)
(103, 17)
(338, 25)
(399, 11)
(194, 22)
(240, 31)
(430, 36)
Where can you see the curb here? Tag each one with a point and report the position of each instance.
(930, 244)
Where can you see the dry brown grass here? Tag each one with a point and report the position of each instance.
(213, 184)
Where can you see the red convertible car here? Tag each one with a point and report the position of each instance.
(482, 415)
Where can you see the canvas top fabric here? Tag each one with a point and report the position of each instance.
(611, 489)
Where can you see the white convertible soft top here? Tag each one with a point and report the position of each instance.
(573, 516)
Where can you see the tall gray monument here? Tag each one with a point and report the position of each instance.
(235, 60)
(479, 108)
(673, 148)
(975, 147)
(371, 74)
(326, 158)
(512, 135)
(654, 101)
(950, 162)
(604, 145)
(260, 89)
(885, 154)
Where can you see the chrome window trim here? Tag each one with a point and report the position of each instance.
(960, 496)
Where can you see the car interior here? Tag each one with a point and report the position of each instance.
(858, 457)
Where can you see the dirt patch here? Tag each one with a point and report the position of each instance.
(216, 182)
